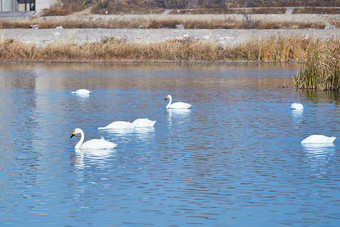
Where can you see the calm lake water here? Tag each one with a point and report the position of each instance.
(234, 159)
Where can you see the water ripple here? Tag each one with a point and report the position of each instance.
(234, 159)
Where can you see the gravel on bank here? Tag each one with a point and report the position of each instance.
(311, 18)
(228, 37)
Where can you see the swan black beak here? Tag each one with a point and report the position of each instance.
(165, 98)
(72, 135)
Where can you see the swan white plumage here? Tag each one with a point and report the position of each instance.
(318, 139)
(82, 92)
(143, 123)
(296, 106)
(95, 144)
(177, 105)
(119, 125)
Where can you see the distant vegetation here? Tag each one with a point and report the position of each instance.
(65, 7)
(246, 22)
(78, 8)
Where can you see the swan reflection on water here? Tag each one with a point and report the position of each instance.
(297, 113)
(97, 157)
(144, 133)
(141, 133)
(129, 130)
(144, 130)
(118, 131)
(83, 96)
(317, 146)
(319, 150)
(319, 157)
(178, 112)
(181, 115)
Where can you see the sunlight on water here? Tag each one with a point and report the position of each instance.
(234, 159)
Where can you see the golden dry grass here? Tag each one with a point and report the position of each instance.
(274, 49)
(321, 70)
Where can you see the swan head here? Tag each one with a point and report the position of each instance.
(168, 97)
(75, 132)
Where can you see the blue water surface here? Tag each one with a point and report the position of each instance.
(234, 159)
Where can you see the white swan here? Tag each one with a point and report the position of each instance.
(176, 105)
(143, 123)
(82, 92)
(318, 139)
(95, 144)
(296, 106)
(119, 125)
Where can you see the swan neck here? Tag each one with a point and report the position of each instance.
(170, 101)
(80, 141)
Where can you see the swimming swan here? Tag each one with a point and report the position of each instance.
(318, 139)
(82, 92)
(296, 106)
(95, 144)
(119, 125)
(143, 123)
(122, 125)
(177, 105)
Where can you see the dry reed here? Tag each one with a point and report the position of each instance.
(321, 70)
(274, 49)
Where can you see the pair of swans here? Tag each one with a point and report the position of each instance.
(138, 123)
(313, 139)
(102, 144)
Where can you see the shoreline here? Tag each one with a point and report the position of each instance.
(148, 62)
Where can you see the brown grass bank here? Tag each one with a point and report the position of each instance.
(274, 49)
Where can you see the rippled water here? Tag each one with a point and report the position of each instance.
(234, 159)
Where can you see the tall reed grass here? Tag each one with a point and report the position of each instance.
(274, 49)
(321, 70)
